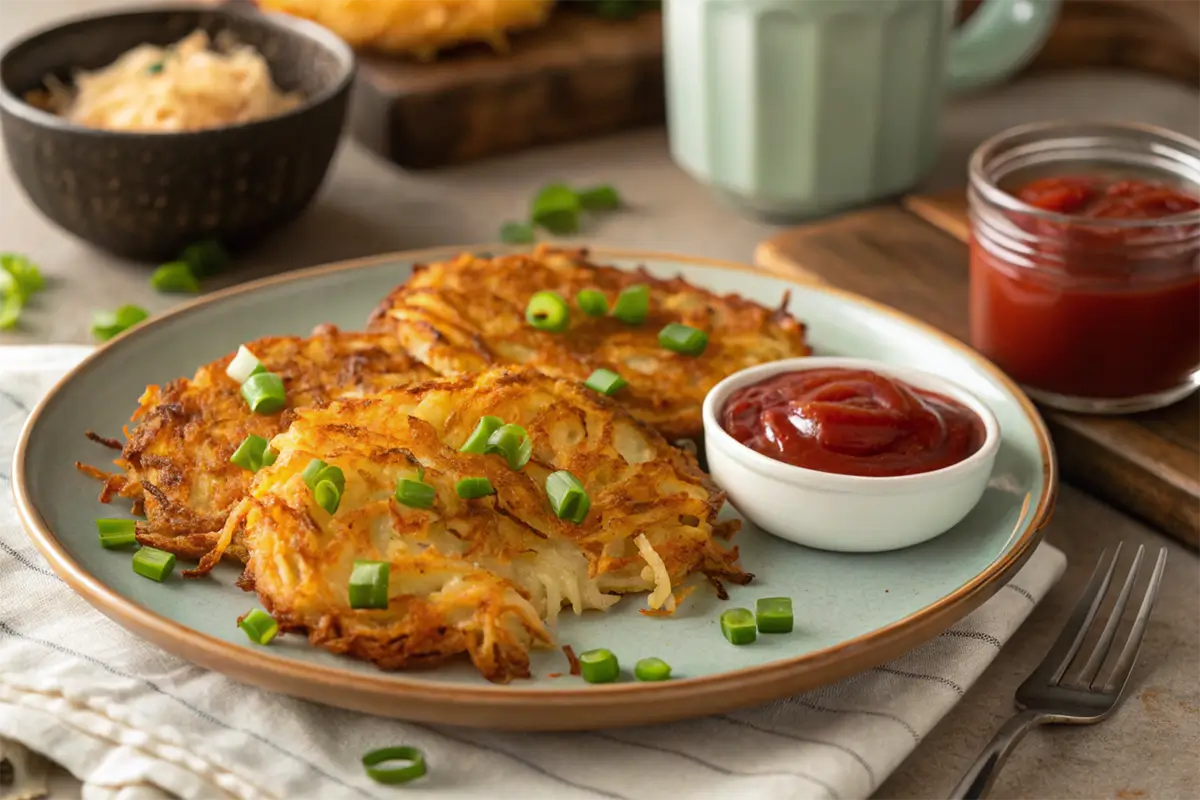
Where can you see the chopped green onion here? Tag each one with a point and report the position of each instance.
(10, 310)
(116, 533)
(472, 488)
(547, 311)
(512, 442)
(175, 277)
(259, 626)
(477, 442)
(264, 393)
(369, 584)
(633, 304)
(599, 198)
(312, 473)
(774, 614)
(416, 474)
(652, 669)
(683, 339)
(414, 494)
(567, 496)
(516, 233)
(206, 257)
(606, 382)
(252, 453)
(152, 563)
(243, 365)
(107, 324)
(393, 775)
(556, 208)
(737, 624)
(592, 302)
(327, 496)
(155, 68)
(599, 666)
(23, 278)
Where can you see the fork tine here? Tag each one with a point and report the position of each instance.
(1071, 638)
(1124, 666)
(1104, 643)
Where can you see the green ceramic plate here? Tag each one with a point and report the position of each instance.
(853, 611)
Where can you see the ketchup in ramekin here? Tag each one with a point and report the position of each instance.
(1085, 263)
(852, 422)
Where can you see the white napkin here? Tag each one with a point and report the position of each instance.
(134, 723)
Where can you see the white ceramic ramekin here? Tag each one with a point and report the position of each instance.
(846, 512)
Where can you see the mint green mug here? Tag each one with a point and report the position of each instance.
(797, 108)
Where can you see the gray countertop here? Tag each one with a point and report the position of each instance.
(1148, 750)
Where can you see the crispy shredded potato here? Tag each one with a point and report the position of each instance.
(468, 314)
(418, 28)
(175, 465)
(474, 575)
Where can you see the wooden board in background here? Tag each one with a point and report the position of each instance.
(1145, 464)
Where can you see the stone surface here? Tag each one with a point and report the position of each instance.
(1149, 749)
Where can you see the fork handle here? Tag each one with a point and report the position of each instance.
(979, 778)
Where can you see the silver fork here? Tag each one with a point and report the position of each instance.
(1045, 697)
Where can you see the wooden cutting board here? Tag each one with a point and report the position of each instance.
(913, 257)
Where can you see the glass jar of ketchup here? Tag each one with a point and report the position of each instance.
(1085, 263)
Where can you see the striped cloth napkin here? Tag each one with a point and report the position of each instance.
(134, 723)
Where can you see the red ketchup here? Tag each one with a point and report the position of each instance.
(852, 422)
(1103, 307)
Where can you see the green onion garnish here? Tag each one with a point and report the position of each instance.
(243, 365)
(206, 257)
(633, 304)
(683, 339)
(599, 666)
(414, 494)
(592, 302)
(175, 277)
(318, 472)
(369, 584)
(21, 276)
(652, 669)
(477, 442)
(393, 775)
(472, 488)
(327, 496)
(567, 496)
(10, 310)
(152, 563)
(107, 324)
(547, 311)
(738, 626)
(774, 614)
(516, 233)
(599, 198)
(264, 393)
(155, 68)
(556, 208)
(312, 472)
(116, 533)
(606, 382)
(253, 454)
(512, 442)
(259, 626)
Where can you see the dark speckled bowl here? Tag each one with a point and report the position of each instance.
(148, 195)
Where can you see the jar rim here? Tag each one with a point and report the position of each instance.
(1184, 148)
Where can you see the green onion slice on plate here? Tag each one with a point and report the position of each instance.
(243, 365)
(547, 311)
(512, 442)
(633, 304)
(259, 626)
(414, 493)
(473, 488)
(149, 562)
(477, 442)
(683, 339)
(116, 533)
(264, 393)
(369, 584)
(737, 625)
(253, 454)
(774, 614)
(652, 669)
(606, 382)
(568, 498)
(599, 666)
(592, 302)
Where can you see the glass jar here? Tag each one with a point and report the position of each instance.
(1085, 263)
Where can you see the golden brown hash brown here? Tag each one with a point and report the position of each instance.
(468, 314)
(175, 463)
(474, 575)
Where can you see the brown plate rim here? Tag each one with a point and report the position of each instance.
(498, 706)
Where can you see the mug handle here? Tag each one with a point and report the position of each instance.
(997, 40)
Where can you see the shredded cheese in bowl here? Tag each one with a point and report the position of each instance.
(190, 85)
